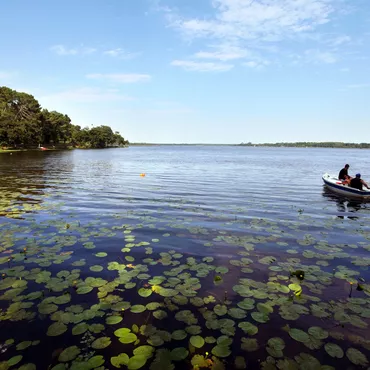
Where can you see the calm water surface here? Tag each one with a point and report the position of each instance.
(259, 213)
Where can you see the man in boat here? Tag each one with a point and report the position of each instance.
(358, 183)
(343, 175)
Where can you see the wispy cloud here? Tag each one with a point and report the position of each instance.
(120, 78)
(85, 95)
(249, 19)
(190, 65)
(120, 53)
(63, 50)
(223, 53)
(340, 40)
(242, 29)
(317, 56)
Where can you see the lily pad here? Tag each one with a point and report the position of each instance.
(136, 362)
(318, 332)
(299, 335)
(95, 361)
(145, 292)
(128, 338)
(248, 328)
(146, 351)
(160, 314)
(220, 310)
(58, 328)
(119, 360)
(179, 354)
(112, 320)
(80, 328)
(221, 351)
(23, 345)
(197, 341)
(138, 308)
(15, 360)
(69, 354)
(179, 335)
(101, 343)
(96, 268)
(356, 357)
(334, 350)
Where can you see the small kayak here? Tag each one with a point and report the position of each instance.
(336, 185)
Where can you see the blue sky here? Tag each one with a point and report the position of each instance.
(196, 71)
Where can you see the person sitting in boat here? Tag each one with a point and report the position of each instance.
(343, 175)
(358, 183)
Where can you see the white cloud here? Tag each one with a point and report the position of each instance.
(250, 19)
(223, 53)
(317, 56)
(120, 53)
(341, 40)
(189, 65)
(63, 50)
(84, 95)
(120, 78)
(238, 28)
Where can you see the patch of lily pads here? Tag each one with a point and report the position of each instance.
(141, 305)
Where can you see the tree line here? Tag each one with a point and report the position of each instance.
(303, 144)
(23, 123)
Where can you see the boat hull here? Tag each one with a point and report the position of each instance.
(336, 186)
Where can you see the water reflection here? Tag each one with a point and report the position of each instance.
(345, 206)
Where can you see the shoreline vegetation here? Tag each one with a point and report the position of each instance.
(337, 145)
(25, 125)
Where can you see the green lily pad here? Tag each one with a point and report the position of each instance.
(84, 289)
(95, 361)
(96, 268)
(240, 363)
(318, 332)
(264, 308)
(197, 341)
(160, 314)
(356, 357)
(145, 292)
(121, 332)
(179, 334)
(55, 329)
(101, 254)
(194, 329)
(23, 345)
(299, 335)
(138, 308)
(136, 362)
(248, 328)
(112, 320)
(28, 366)
(220, 310)
(334, 350)
(101, 343)
(146, 351)
(237, 313)
(119, 360)
(276, 343)
(59, 367)
(80, 328)
(179, 354)
(221, 351)
(260, 317)
(128, 338)
(14, 360)
(69, 354)
(249, 345)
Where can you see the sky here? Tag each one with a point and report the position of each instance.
(195, 71)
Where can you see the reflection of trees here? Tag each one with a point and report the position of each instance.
(22, 184)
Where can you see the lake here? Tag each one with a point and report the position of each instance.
(220, 257)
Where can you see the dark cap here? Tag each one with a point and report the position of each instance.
(347, 165)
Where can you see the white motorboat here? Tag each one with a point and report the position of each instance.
(336, 185)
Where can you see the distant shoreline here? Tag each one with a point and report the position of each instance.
(329, 145)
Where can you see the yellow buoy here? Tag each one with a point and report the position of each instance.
(142, 174)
